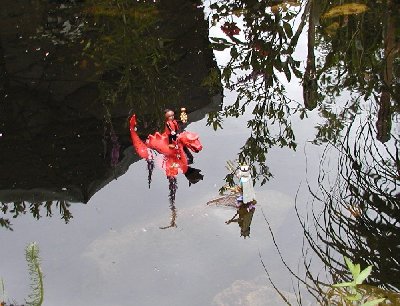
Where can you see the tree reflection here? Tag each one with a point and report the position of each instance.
(142, 81)
(347, 50)
(360, 53)
(359, 212)
(352, 50)
(310, 84)
(263, 50)
(16, 209)
(354, 212)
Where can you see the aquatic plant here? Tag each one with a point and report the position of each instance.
(3, 293)
(348, 291)
(36, 275)
(36, 296)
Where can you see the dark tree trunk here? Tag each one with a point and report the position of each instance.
(310, 85)
(384, 122)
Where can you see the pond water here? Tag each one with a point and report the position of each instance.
(336, 194)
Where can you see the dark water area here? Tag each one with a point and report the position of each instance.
(305, 93)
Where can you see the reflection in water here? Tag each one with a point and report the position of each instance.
(193, 176)
(354, 45)
(15, 209)
(150, 168)
(244, 211)
(173, 187)
(111, 136)
(241, 196)
(173, 147)
(244, 216)
(354, 213)
(310, 83)
(262, 50)
(361, 205)
(261, 38)
(72, 71)
(141, 81)
(352, 51)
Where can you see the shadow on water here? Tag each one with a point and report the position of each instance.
(351, 78)
(71, 73)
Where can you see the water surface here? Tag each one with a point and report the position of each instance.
(330, 188)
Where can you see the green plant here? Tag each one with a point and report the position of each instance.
(3, 293)
(36, 275)
(351, 292)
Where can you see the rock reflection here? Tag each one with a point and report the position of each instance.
(71, 72)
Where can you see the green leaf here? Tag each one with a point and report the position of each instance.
(234, 52)
(287, 71)
(363, 275)
(235, 40)
(356, 271)
(349, 264)
(355, 297)
(219, 40)
(219, 47)
(288, 29)
(278, 64)
(373, 302)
